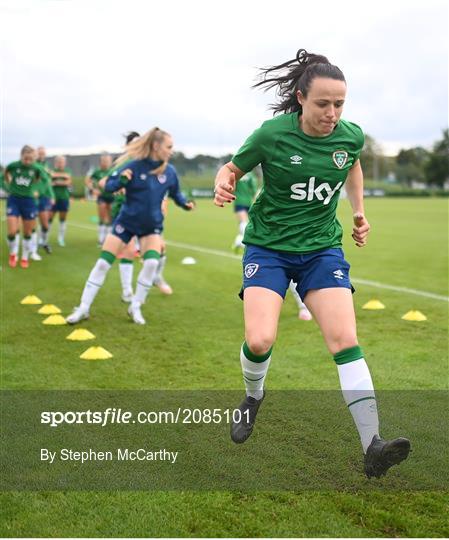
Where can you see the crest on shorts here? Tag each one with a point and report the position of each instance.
(119, 228)
(162, 178)
(340, 158)
(251, 269)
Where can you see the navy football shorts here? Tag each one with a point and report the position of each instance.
(274, 270)
(104, 199)
(61, 205)
(125, 233)
(24, 207)
(240, 208)
(44, 204)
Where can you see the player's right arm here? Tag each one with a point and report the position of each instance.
(225, 182)
(254, 151)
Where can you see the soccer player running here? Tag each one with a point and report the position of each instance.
(21, 178)
(61, 182)
(126, 256)
(146, 179)
(104, 199)
(307, 153)
(46, 200)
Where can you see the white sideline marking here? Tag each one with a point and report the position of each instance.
(366, 282)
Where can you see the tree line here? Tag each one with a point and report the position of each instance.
(415, 164)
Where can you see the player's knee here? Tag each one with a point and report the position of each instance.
(341, 342)
(260, 344)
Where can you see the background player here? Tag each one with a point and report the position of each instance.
(61, 182)
(104, 200)
(21, 178)
(46, 200)
(245, 192)
(147, 178)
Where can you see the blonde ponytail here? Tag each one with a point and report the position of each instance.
(141, 148)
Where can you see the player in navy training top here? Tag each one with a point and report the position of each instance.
(146, 176)
(141, 213)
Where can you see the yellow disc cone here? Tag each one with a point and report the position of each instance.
(414, 316)
(54, 320)
(96, 353)
(80, 334)
(49, 309)
(373, 304)
(31, 300)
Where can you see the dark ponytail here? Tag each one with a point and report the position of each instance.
(300, 73)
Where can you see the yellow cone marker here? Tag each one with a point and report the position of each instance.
(80, 334)
(31, 300)
(49, 309)
(96, 353)
(54, 320)
(373, 304)
(414, 316)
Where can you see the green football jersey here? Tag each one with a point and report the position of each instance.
(302, 176)
(246, 190)
(119, 198)
(24, 179)
(44, 187)
(61, 192)
(96, 176)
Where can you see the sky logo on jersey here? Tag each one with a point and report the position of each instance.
(251, 269)
(340, 158)
(338, 274)
(23, 181)
(323, 192)
(296, 160)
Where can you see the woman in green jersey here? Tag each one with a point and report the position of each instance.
(307, 153)
(61, 182)
(104, 200)
(245, 192)
(46, 198)
(22, 178)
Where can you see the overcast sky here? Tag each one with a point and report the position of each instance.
(75, 75)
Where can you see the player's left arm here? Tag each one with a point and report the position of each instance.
(174, 193)
(354, 190)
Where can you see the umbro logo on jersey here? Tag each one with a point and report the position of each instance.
(338, 274)
(251, 269)
(143, 176)
(296, 160)
(340, 158)
(323, 192)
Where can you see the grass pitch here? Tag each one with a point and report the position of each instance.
(192, 341)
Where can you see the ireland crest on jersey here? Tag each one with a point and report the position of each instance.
(340, 158)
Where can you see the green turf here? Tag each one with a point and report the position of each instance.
(192, 342)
